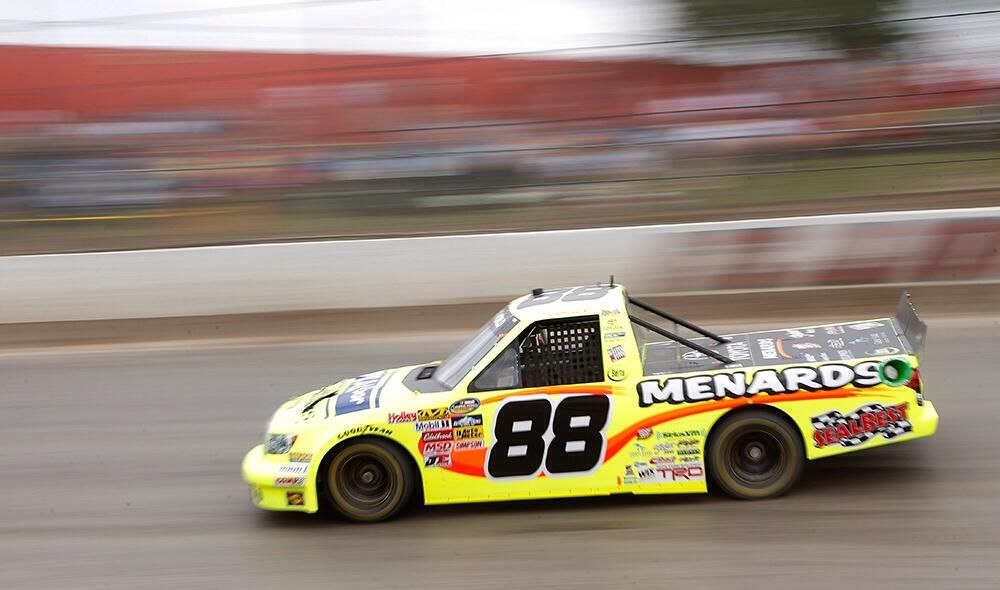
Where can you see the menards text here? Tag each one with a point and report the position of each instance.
(700, 388)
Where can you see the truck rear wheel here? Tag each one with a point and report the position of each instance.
(755, 454)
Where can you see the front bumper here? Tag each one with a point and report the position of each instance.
(272, 482)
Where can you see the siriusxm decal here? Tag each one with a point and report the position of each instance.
(358, 394)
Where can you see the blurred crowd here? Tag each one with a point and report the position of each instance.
(308, 144)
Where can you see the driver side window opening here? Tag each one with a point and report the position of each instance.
(551, 352)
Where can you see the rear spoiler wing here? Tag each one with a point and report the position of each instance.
(909, 325)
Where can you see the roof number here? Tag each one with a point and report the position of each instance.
(588, 293)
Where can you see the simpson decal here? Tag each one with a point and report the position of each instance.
(861, 425)
(700, 388)
(469, 445)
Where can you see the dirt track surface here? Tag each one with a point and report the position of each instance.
(121, 470)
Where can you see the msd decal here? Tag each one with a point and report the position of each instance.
(438, 448)
(861, 425)
(700, 388)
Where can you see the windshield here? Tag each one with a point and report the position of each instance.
(456, 366)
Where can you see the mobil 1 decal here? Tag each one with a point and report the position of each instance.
(558, 435)
(738, 384)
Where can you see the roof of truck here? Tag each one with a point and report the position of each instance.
(569, 302)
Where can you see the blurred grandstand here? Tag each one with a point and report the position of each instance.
(117, 147)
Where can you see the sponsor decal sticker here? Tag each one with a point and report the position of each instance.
(616, 353)
(437, 461)
(861, 425)
(617, 374)
(289, 482)
(790, 380)
(432, 425)
(688, 451)
(366, 429)
(882, 351)
(769, 349)
(300, 457)
(433, 414)
(402, 417)
(642, 472)
(438, 448)
(640, 450)
(357, 396)
(464, 406)
(436, 435)
(644, 433)
(295, 499)
(469, 445)
(614, 335)
(469, 432)
(681, 434)
(473, 420)
(299, 469)
(800, 332)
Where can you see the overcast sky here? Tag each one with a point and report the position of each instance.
(418, 26)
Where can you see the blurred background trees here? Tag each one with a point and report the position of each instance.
(830, 24)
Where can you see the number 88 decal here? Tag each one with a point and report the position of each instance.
(523, 440)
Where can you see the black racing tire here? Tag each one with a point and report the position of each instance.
(369, 481)
(754, 455)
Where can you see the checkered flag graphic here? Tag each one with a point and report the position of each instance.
(890, 430)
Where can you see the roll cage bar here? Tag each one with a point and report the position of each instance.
(675, 337)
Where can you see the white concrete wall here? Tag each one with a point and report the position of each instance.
(918, 246)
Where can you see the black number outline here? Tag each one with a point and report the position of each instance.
(547, 437)
(583, 293)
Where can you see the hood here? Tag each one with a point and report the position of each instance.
(364, 393)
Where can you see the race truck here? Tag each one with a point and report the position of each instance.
(585, 391)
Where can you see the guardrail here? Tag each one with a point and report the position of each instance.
(797, 252)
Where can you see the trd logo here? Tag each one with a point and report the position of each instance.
(680, 473)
